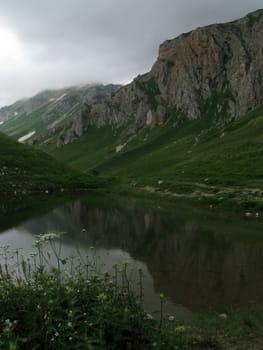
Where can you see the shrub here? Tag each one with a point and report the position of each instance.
(68, 306)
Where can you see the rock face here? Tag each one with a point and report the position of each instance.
(229, 56)
(51, 112)
(221, 62)
(52, 103)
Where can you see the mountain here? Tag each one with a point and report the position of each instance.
(191, 126)
(25, 170)
(48, 112)
(216, 70)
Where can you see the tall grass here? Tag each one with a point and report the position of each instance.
(51, 302)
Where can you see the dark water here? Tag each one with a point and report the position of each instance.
(200, 259)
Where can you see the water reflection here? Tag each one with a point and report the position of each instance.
(183, 255)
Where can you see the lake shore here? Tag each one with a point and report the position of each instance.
(199, 231)
(71, 306)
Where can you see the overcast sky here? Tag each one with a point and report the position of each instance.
(57, 43)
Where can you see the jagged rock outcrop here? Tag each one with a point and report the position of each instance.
(51, 112)
(127, 105)
(54, 103)
(212, 59)
(221, 62)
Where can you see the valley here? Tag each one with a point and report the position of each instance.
(200, 144)
(136, 198)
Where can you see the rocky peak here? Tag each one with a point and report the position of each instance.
(190, 68)
(220, 64)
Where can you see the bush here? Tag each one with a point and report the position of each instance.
(68, 306)
(71, 307)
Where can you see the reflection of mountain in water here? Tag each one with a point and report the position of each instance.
(191, 264)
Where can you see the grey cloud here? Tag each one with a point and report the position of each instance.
(102, 40)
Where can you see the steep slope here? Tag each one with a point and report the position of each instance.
(24, 169)
(196, 156)
(192, 125)
(216, 70)
(49, 112)
(229, 155)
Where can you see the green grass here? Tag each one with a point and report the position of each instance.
(90, 150)
(18, 127)
(24, 169)
(228, 155)
(254, 17)
(212, 154)
(37, 121)
(65, 304)
(49, 112)
(150, 87)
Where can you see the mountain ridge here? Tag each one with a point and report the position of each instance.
(45, 113)
(221, 62)
(192, 126)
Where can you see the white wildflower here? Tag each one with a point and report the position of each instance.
(149, 317)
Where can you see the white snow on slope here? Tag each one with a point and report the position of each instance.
(27, 136)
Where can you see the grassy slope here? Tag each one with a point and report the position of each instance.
(18, 127)
(26, 123)
(185, 155)
(24, 169)
(89, 151)
(214, 160)
(229, 156)
(197, 151)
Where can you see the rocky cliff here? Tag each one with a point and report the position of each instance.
(213, 59)
(50, 112)
(215, 70)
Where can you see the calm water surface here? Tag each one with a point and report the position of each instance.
(200, 259)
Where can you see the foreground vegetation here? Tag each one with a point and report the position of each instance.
(49, 302)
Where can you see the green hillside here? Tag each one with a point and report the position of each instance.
(176, 130)
(49, 112)
(24, 169)
(182, 156)
(95, 147)
(217, 155)
(18, 127)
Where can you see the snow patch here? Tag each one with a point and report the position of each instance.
(27, 136)
(120, 147)
(55, 100)
(60, 98)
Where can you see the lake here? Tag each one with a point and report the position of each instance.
(201, 259)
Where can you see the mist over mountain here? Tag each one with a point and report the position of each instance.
(195, 119)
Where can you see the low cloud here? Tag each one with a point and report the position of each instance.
(65, 42)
